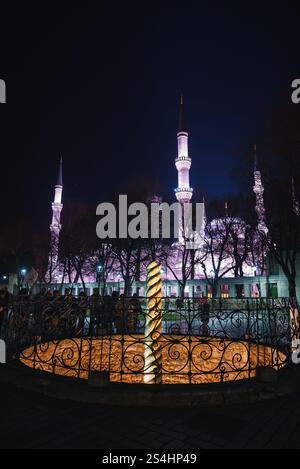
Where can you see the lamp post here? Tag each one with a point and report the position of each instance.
(99, 275)
(118, 277)
(98, 270)
(21, 276)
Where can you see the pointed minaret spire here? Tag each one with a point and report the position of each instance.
(59, 185)
(255, 158)
(181, 124)
(226, 209)
(60, 174)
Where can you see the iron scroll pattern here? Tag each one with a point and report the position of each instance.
(221, 340)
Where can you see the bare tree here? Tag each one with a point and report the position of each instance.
(217, 251)
(76, 243)
(240, 240)
(283, 237)
(180, 259)
(129, 257)
(102, 261)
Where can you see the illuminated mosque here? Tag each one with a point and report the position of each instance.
(257, 279)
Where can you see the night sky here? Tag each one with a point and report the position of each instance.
(100, 85)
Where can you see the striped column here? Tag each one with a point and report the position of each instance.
(153, 326)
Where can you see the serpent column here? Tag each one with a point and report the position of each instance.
(153, 326)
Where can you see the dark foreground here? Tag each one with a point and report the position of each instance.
(30, 420)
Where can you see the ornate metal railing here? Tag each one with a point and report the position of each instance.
(222, 340)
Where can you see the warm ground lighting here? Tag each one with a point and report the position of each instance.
(185, 359)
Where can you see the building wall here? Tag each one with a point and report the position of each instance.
(193, 287)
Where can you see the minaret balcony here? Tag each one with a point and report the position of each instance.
(183, 158)
(57, 206)
(183, 162)
(184, 189)
(184, 197)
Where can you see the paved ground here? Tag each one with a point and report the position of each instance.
(29, 420)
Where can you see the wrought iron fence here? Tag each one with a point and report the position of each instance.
(197, 342)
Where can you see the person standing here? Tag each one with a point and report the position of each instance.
(204, 315)
(134, 311)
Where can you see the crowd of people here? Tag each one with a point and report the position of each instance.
(115, 313)
(104, 311)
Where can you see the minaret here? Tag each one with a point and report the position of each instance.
(183, 162)
(226, 210)
(258, 189)
(55, 228)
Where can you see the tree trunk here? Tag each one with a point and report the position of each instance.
(215, 289)
(182, 287)
(127, 286)
(83, 282)
(292, 287)
(104, 286)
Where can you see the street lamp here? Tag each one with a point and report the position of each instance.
(118, 278)
(21, 277)
(99, 270)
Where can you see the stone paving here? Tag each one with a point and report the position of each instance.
(30, 420)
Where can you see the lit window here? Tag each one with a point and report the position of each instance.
(224, 291)
(254, 290)
(209, 291)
